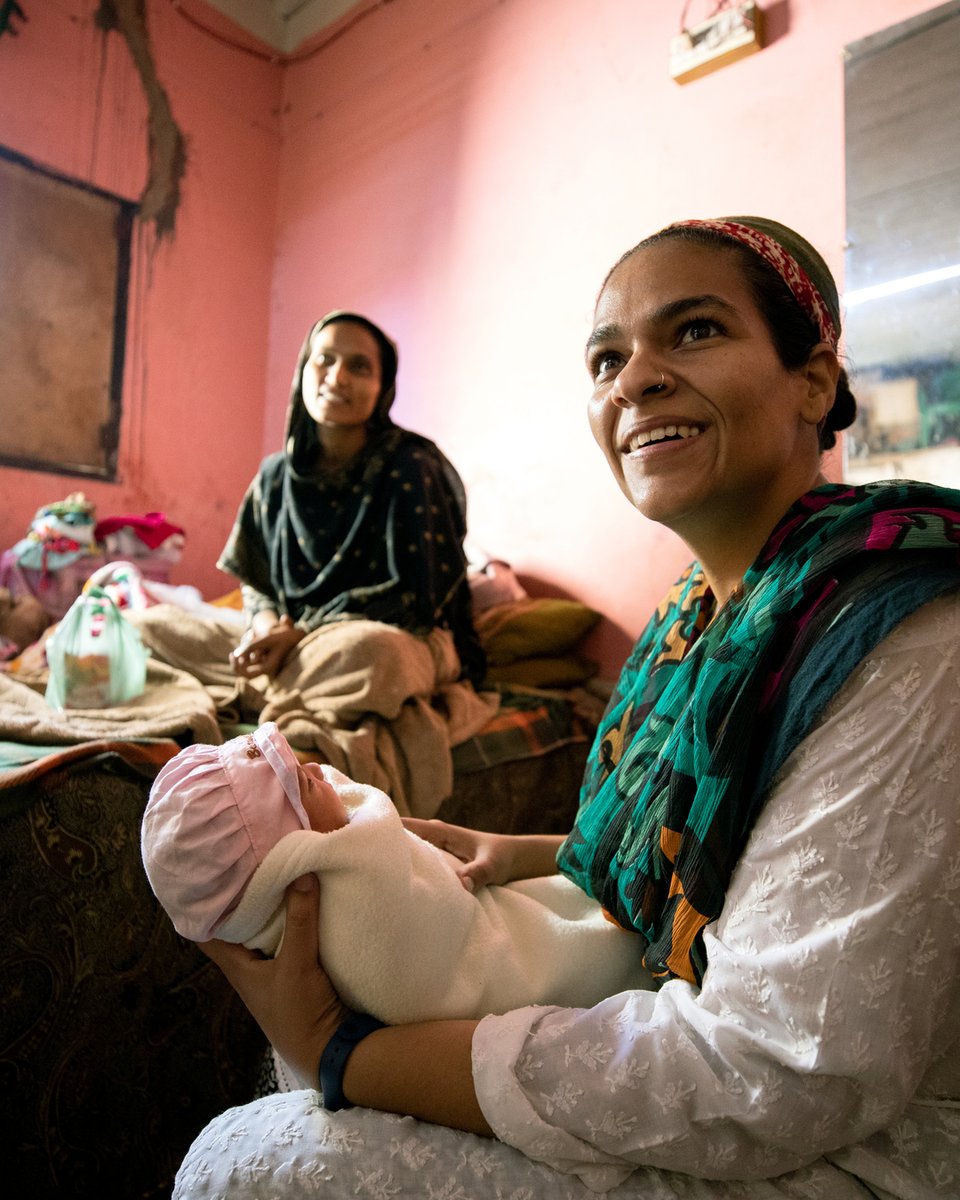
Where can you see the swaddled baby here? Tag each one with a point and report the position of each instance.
(228, 828)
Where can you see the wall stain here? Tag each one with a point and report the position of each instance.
(167, 149)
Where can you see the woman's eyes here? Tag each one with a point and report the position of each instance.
(356, 366)
(604, 361)
(698, 329)
(694, 329)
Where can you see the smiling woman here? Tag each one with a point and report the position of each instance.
(341, 386)
(768, 807)
(355, 517)
(688, 341)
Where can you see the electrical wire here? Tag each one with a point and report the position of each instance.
(717, 8)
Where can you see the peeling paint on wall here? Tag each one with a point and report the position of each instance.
(167, 151)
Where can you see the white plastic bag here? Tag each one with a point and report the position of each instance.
(96, 658)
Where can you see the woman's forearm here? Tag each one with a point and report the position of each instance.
(535, 854)
(422, 1071)
(491, 857)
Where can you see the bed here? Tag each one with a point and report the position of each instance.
(118, 1040)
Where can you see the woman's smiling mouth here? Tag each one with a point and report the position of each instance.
(669, 431)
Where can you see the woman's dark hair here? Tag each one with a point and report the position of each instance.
(794, 335)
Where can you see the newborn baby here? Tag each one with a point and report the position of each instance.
(228, 828)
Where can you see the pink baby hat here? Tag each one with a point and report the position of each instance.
(213, 814)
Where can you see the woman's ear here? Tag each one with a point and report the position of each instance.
(821, 372)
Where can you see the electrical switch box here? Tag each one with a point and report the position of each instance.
(732, 33)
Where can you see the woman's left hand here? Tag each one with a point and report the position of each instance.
(490, 857)
(265, 654)
(290, 997)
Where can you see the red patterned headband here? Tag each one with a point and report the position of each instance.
(804, 291)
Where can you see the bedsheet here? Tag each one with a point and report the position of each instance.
(118, 1039)
(174, 704)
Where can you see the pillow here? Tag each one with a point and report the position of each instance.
(532, 627)
(544, 671)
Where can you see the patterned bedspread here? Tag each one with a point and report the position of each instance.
(528, 725)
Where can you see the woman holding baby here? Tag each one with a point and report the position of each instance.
(769, 806)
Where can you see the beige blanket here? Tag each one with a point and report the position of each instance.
(374, 701)
(172, 705)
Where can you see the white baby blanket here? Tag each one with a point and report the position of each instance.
(402, 939)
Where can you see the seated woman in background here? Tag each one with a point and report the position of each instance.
(355, 517)
(770, 807)
(349, 549)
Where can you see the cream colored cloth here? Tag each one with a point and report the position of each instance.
(402, 938)
(374, 701)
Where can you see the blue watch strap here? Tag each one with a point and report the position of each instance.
(333, 1061)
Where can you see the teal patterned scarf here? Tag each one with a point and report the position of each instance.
(710, 704)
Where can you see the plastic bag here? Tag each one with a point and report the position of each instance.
(96, 658)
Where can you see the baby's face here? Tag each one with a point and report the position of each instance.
(321, 800)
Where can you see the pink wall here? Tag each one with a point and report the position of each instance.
(195, 374)
(465, 173)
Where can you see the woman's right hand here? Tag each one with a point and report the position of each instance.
(490, 858)
(290, 997)
(295, 1004)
